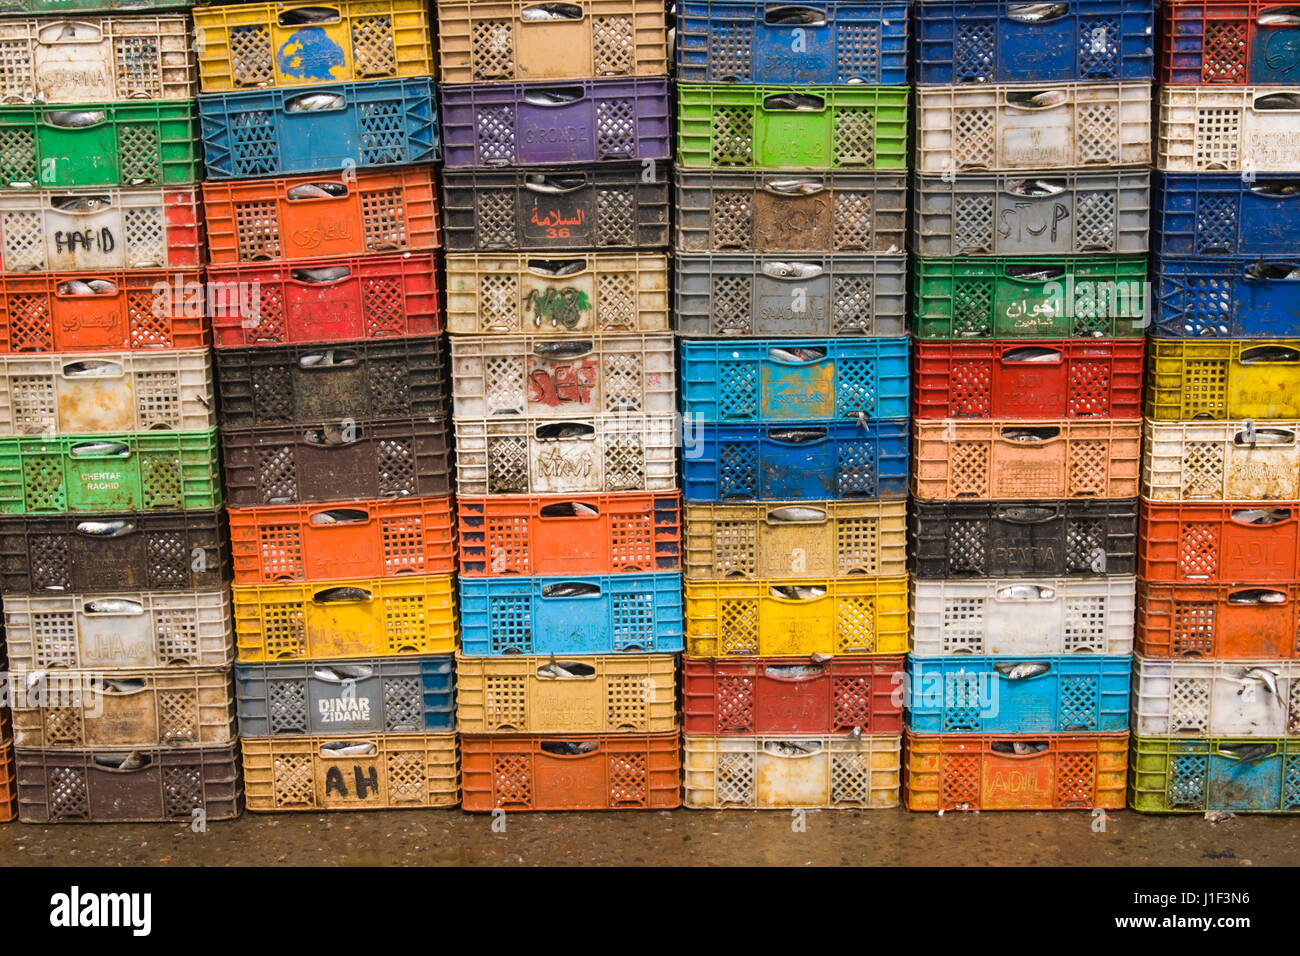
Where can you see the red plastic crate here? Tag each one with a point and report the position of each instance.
(792, 695)
(1220, 542)
(320, 216)
(379, 297)
(1223, 621)
(328, 542)
(613, 772)
(570, 534)
(1222, 43)
(149, 309)
(1032, 379)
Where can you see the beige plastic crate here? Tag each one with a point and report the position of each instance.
(983, 460)
(1221, 461)
(1229, 129)
(1215, 698)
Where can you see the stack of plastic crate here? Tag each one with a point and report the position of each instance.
(557, 143)
(320, 130)
(1216, 685)
(114, 561)
(1030, 231)
(790, 296)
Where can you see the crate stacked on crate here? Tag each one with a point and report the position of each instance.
(1030, 233)
(556, 189)
(1216, 685)
(114, 562)
(789, 298)
(320, 129)
(8, 779)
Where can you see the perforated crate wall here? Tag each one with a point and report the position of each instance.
(1228, 129)
(1218, 621)
(1221, 461)
(1220, 543)
(1224, 43)
(1215, 698)
(1226, 297)
(1208, 214)
(1226, 775)
(1220, 380)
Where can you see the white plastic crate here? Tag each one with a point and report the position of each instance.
(106, 392)
(543, 457)
(1221, 461)
(553, 377)
(132, 629)
(1021, 616)
(1229, 129)
(1174, 698)
(1007, 128)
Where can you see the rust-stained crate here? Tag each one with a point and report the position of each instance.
(1240, 460)
(1218, 621)
(8, 779)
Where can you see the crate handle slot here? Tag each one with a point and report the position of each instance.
(1019, 748)
(1277, 101)
(100, 449)
(331, 435)
(304, 16)
(565, 670)
(1262, 271)
(113, 606)
(75, 119)
(1037, 12)
(568, 509)
(63, 32)
(796, 592)
(119, 686)
(1277, 188)
(1269, 354)
(804, 356)
(571, 589)
(794, 673)
(556, 96)
(306, 192)
(798, 102)
(335, 517)
(1264, 436)
(330, 358)
(1243, 753)
(564, 349)
(1034, 100)
(326, 276)
(797, 515)
(1027, 514)
(551, 185)
(1261, 516)
(797, 436)
(1034, 189)
(83, 287)
(347, 748)
(1033, 273)
(793, 187)
(792, 270)
(555, 431)
(92, 368)
(1026, 435)
(1026, 592)
(1279, 17)
(1257, 596)
(1036, 354)
(74, 205)
(795, 749)
(557, 267)
(315, 103)
(550, 12)
(342, 673)
(792, 15)
(341, 594)
(133, 762)
(105, 529)
(569, 748)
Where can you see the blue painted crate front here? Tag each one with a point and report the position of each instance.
(1228, 297)
(1195, 775)
(960, 42)
(1072, 693)
(1208, 214)
(828, 43)
(800, 462)
(771, 380)
(603, 614)
(378, 123)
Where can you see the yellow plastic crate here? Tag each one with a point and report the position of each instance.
(259, 45)
(1223, 379)
(785, 618)
(372, 617)
(609, 693)
(799, 539)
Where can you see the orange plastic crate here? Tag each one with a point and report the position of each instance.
(1220, 542)
(570, 534)
(331, 542)
(321, 215)
(47, 313)
(1219, 621)
(978, 772)
(579, 772)
(8, 783)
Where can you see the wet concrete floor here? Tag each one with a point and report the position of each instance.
(680, 838)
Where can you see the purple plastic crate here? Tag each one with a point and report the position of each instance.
(571, 121)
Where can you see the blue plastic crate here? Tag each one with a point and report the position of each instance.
(365, 696)
(963, 42)
(378, 123)
(797, 462)
(601, 614)
(788, 380)
(1078, 693)
(1227, 297)
(1210, 214)
(827, 43)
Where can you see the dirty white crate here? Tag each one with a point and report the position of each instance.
(93, 59)
(529, 456)
(548, 376)
(771, 773)
(1221, 461)
(1174, 698)
(131, 629)
(1021, 616)
(107, 392)
(997, 128)
(592, 292)
(1229, 129)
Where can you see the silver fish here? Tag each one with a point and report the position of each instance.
(1022, 747)
(580, 509)
(798, 434)
(792, 270)
(314, 102)
(102, 286)
(124, 685)
(1050, 98)
(797, 592)
(343, 749)
(1032, 355)
(102, 448)
(791, 748)
(800, 102)
(316, 358)
(1267, 677)
(1022, 434)
(1253, 751)
(1021, 592)
(343, 672)
(543, 12)
(1277, 189)
(567, 268)
(1038, 11)
(1262, 515)
(565, 431)
(797, 514)
(568, 590)
(79, 203)
(133, 761)
(554, 670)
(541, 183)
(547, 98)
(76, 119)
(1277, 19)
(75, 287)
(304, 15)
(104, 528)
(317, 191)
(795, 671)
(1022, 670)
(1034, 187)
(1257, 596)
(111, 606)
(792, 187)
(326, 274)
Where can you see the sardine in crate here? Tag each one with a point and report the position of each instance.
(1048, 128)
(550, 377)
(1216, 698)
(92, 230)
(1212, 214)
(1214, 773)
(771, 772)
(1207, 129)
(765, 618)
(254, 45)
(504, 40)
(1226, 297)
(599, 614)
(1220, 542)
(369, 125)
(1226, 43)
(123, 630)
(1223, 380)
(583, 292)
(1218, 621)
(1221, 461)
(355, 772)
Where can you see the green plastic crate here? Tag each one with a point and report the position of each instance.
(1226, 774)
(110, 473)
(1057, 297)
(133, 144)
(792, 127)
